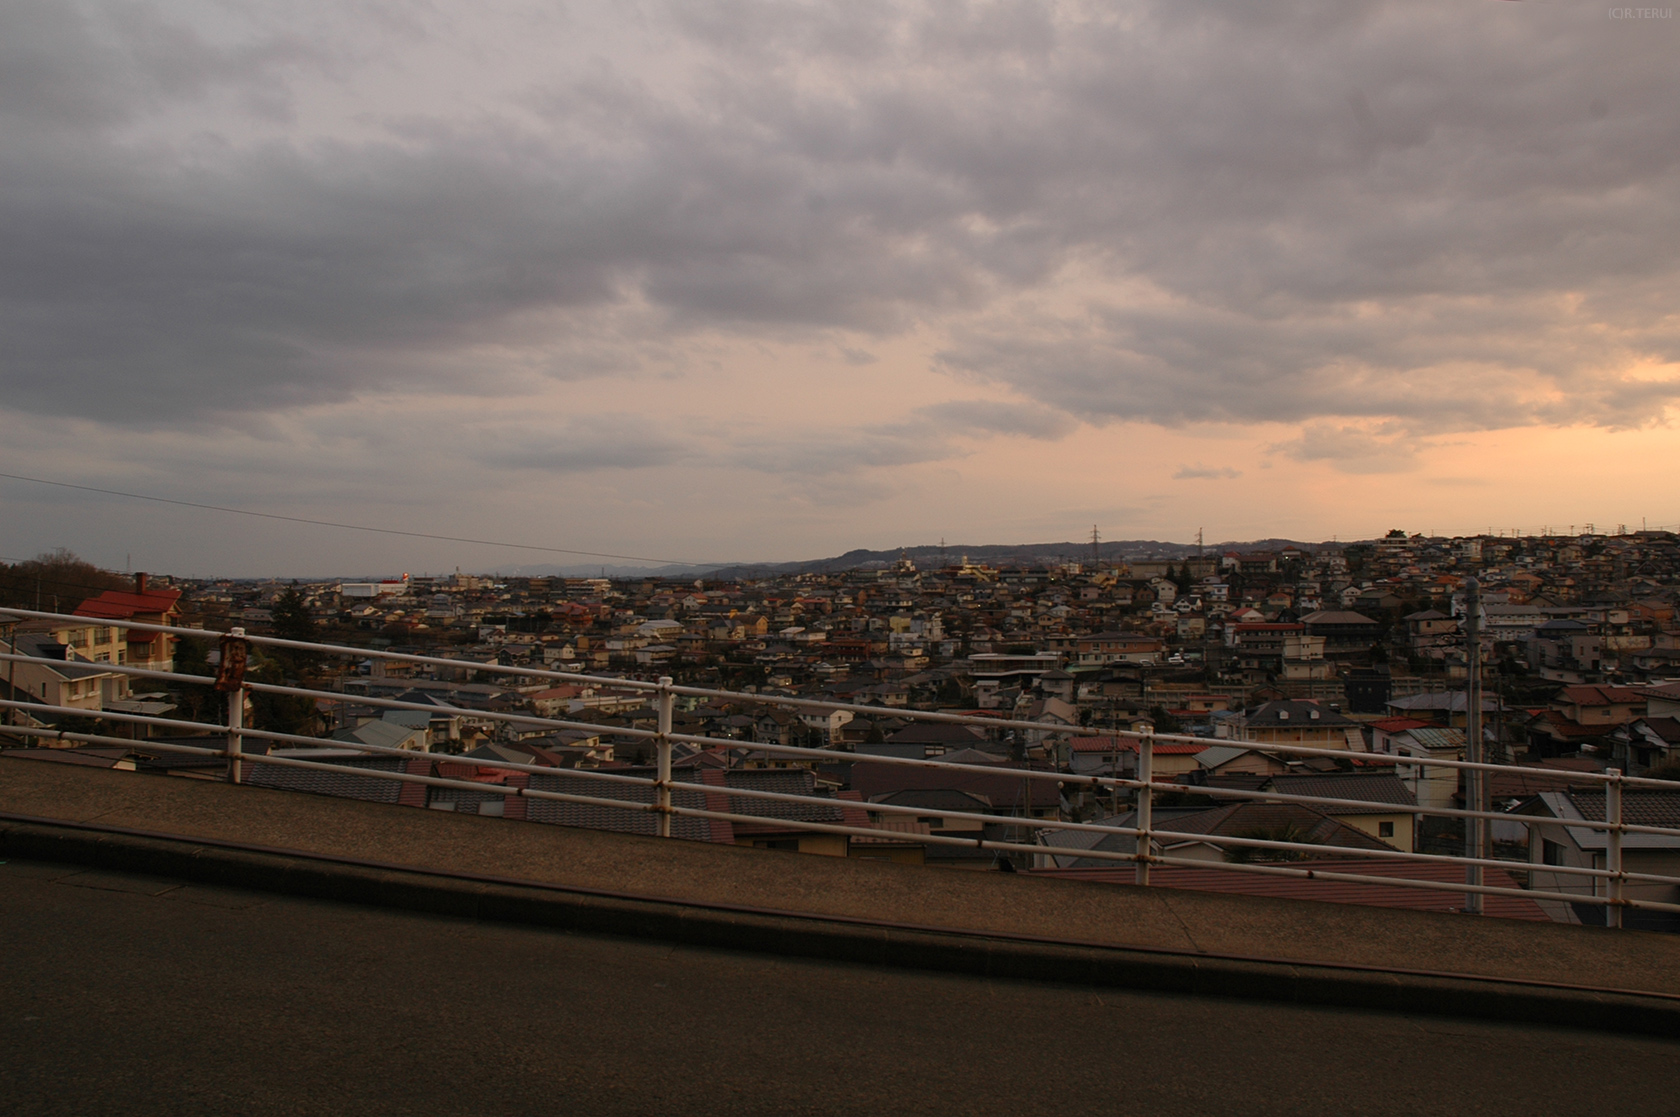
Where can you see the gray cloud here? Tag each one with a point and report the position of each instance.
(938, 432)
(600, 442)
(1200, 472)
(1449, 216)
(1353, 449)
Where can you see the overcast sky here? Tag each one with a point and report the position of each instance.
(716, 280)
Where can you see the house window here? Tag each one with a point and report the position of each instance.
(1385, 829)
(1551, 853)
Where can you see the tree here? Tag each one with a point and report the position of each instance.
(194, 701)
(293, 621)
(292, 618)
(1164, 722)
(1288, 832)
(1183, 579)
(280, 713)
(57, 581)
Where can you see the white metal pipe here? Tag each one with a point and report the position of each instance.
(1613, 856)
(1050, 824)
(1060, 777)
(235, 719)
(788, 701)
(932, 839)
(1036, 824)
(664, 756)
(1145, 806)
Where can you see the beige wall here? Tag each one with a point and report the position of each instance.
(1401, 839)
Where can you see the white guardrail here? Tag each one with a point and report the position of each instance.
(664, 692)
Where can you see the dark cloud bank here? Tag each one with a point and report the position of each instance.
(1435, 215)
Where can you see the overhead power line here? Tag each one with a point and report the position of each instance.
(344, 526)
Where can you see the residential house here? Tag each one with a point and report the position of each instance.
(1555, 842)
(1389, 816)
(1431, 786)
(924, 740)
(1117, 756)
(145, 604)
(1566, 650)
(1217, 762)
(1344, 632)
(1300, 722)
(1186, 833)
(390, 734)
(1430, 632)
(68, 681)
(1645, 743)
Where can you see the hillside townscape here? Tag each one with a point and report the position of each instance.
(1355, 647)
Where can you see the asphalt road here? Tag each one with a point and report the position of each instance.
(123, 994)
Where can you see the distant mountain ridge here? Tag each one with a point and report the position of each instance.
(925, 556)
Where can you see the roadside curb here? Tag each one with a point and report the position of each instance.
(978, 954)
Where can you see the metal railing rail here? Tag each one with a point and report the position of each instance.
(664, 691)
(987, 844)
(835, 756)
(778, 700)
(778, 796)
(1315, 873)
(843, 757)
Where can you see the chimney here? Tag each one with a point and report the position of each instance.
(140, 582)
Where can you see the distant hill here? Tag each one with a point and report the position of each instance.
(925, 557)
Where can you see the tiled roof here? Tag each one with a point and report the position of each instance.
(1602, 695)
(784, 781)
(936, 799)
(1564, 727)
(1398, 725)
(1665, 729)
(1640, 806)
(1337, 616)
(1383, 791)
(592, 817)
(1128, 744)
(1004, 789)
(1239, 819)
(1331, 891)
(1435, 738)
(344, 785)
(1292, 712)
(124, 604)
(936, 733)
(1521, 781)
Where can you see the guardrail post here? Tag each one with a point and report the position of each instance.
(230, 679)
(664, 747)
(1613, 855)
(1145, 803)
(235, 740)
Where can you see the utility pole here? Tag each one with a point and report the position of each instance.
(1475, 780)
